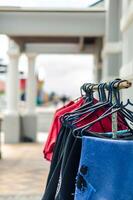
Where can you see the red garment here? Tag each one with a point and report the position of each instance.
(104, 125)
(56, 125)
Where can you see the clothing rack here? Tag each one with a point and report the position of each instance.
(125, 84)
(83, 140)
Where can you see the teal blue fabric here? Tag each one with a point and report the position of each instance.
(105, 170)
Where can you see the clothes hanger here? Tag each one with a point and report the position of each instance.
(92, 109)
(116, 93)
(126, 132)
(101, 88)
(110, 97)
(88, 96)
(83, 128)
(109, 100)
(81, 111)
(84, 109)
(102, 117)
(86, 105)
(125, 110)
(101, 99)
(117, 99)
(87, 87)
(78, 132)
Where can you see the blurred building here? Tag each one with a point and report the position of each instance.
(104, 29)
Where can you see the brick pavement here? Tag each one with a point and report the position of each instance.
(23, 172)
(20, 197)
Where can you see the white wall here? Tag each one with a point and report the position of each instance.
(126, 26)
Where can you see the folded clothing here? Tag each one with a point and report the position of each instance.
(105, 170)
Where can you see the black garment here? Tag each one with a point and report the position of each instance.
(58, 148)
(64, 167)
(56, 162)
(69, 169)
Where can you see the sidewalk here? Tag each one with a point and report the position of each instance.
(23, 172)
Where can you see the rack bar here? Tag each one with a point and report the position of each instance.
(123, 85)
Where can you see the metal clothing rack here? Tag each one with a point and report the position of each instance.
(123, 85)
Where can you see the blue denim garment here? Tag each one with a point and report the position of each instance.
(105, 170)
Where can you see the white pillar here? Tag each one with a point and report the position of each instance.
(98, 60)
(12, 83)
(11, 118)
(31, 84)
(29, 118)
(112, 51)
(126, 71)
(97, 70)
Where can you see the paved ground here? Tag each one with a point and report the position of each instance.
(23, 172)
(20, 197)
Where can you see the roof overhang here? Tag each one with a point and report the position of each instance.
(51, 22)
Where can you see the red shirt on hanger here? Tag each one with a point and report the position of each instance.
(56, 125)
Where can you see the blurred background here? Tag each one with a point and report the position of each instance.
(48, 49)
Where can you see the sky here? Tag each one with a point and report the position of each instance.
(63, 74)
(48, 3)
(66, 73)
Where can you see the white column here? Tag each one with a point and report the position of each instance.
(98, 60)
(11, 117)
(29, 118)
(12, 83)
(31, 92)
(112, 51)
(126, 71)
(97, 70)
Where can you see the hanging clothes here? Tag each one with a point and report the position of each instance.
(69, 166)
(56, 125)
(67, 149)
(79, 145)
